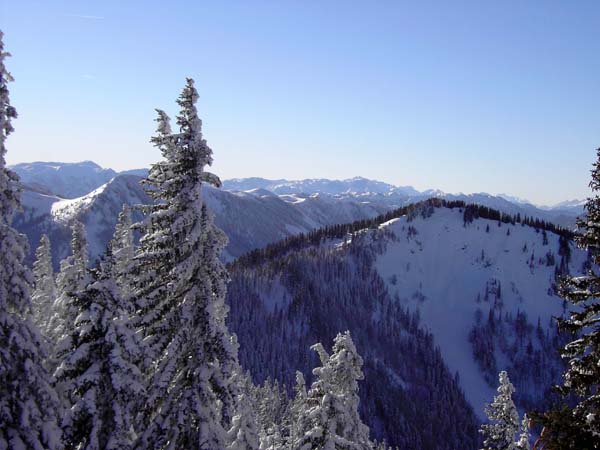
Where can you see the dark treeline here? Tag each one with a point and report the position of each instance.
(423, 208)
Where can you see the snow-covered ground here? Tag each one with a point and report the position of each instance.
(445, 266)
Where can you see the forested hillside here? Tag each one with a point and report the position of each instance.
(440, 297)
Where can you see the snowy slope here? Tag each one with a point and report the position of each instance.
(440, 271)
(98, 211)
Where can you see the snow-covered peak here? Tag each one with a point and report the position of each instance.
(67, 180)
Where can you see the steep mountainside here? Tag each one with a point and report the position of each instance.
(439, 299)
(482, 289)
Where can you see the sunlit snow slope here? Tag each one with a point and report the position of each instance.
(440, 266)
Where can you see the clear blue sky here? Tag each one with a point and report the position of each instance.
(495, 96)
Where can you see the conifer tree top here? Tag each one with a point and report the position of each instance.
(7, 112)
(9, 189)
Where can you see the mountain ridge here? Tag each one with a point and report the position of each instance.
(34, 171)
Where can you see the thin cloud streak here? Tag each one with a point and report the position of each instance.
(86, 17)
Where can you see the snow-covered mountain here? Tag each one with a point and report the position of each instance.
(98, 211)
(250, 219)
(457, 275)
(480, 289)
(67, 180)
(563, 217)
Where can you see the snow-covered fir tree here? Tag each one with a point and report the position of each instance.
(28, 403)
(502, 413)
(331, 421)
(582, 377)
(218, 341)
(523, 442)
(270, 403)
(123, 250)
(44, 292)
(191, 358)
(70, 280)
(244, 432)
(99, 371)
(297, 410)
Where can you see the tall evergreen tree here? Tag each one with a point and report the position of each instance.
(582, 377)
(123, 250)
(99, 372)
(504, 418)
(44, 292)
(71, 279)
(180, 289)
(297, 411)
(270, 404)
(28, 403)
(331, 421)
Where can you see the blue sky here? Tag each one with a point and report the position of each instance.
(464, 96)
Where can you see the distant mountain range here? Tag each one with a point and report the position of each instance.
(388, 195)
(253, 212)
(351, 186)
(71, 180)
(359, 186)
